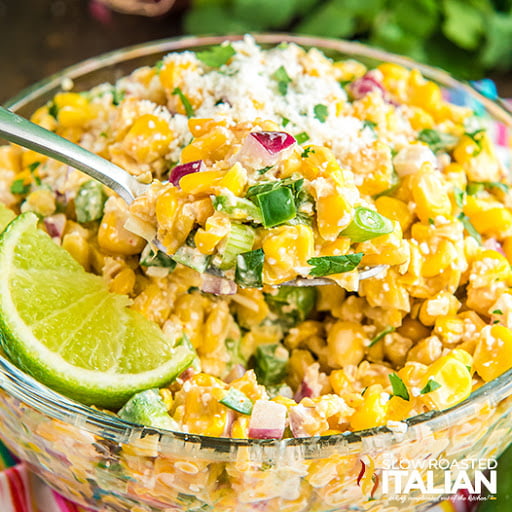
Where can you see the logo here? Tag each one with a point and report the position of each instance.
(438, 477)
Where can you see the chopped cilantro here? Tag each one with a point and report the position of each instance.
(431, 221)
(19, 187)
(216, 56)
(381, 335)
(492, 184)
(466, 222)
(285, 121)
(399, 388)
(321, 112)
(282, 78)
(159, 65)
(437, 141)
(430, 386)
(497, 312)
(53, 110)
(301, 137)
(186, 103)
(328, 265)
(306, 152)
(33, 166)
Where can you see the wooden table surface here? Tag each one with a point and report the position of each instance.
(40, 37)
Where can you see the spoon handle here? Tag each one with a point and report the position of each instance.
(19, 130)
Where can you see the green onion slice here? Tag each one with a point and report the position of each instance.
(367, 224)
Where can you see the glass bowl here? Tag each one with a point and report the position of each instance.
(107, 464)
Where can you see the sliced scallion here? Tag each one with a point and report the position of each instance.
(240, 240)
(249, 269)
(367, 224)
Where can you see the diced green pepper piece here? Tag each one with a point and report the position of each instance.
(292, 304)
(89, 201)
(271, 364)
(249, 269)
(277, 206)
(367, 224)
(147, 408)
(238, 401)
(240, 240)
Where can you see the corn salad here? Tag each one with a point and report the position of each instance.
(268, 165)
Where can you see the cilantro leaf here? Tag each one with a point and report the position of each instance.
(437, 141)
(328, 265)
(468, 226)
(430, 386)
(460, 197)
(216, 56)
(189, 110)
(19, 187)
(282, 78)
(321, 112)
(399, 388)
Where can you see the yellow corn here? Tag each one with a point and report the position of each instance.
(394, 78)
(190, 311)
(78, 246)
(465, 150)
(394, 209)
(202, 126)
(211, 146)
(251, 307)
(449, 328)
(346, 342)
(454, 379)
(41, 201)
(489, 219)
(216, 228)
(10, 158)
(340, 382)
(374, 411)
(420, 119)
(413, 329)
(286, 248)
(440, 259)
(114, 238)
(171, 74)
(333, 214)
(320, 161)
(153, 302)
(348, 70)
(424, 93)
(73, 109)
(123, 282)
(43, 118)
(493, 353)
(202, 183)
(429, 194)
(399, 409)
(235, 179)
(300, 360)
(240, 428)
(426, 351)
(340, 246)
(148, 138)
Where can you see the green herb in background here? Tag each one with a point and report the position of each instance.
(466, 37)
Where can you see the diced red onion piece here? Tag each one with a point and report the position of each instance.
(230, 418)
(304, 391)
(273, 142)
(217, 285)
(55, 225)
(494, 245)
(364, 85)
(268, 420)
(183, 169)
(299, 416)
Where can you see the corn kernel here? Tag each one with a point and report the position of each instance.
(374, 411)
(78, 247)
(346, 342)
(454, 379)
(493, 353)
(394, 209)
(114, 238)
(235, 179)
(211, 146)
(73, 109)
(123, 282)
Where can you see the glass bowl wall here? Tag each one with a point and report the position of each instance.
(108, 464)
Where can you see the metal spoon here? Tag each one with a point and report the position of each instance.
(19, 130)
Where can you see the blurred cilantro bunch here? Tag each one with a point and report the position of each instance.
(466, 37)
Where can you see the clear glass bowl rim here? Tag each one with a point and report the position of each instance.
(27, 390)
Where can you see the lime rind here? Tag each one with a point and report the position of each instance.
(101, 357)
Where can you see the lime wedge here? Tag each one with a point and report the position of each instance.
(61, 325)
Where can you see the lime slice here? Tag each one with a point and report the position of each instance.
(61, 325)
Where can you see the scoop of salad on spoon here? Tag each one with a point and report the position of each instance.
(268, 205)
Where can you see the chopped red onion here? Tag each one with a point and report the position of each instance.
(367, 83)
(273, 142)
(55, 225)
(183, 169)
(265, 148)
(268, 420)
(230, 418)
(304, 391)
(299, 416)
(217, 285)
